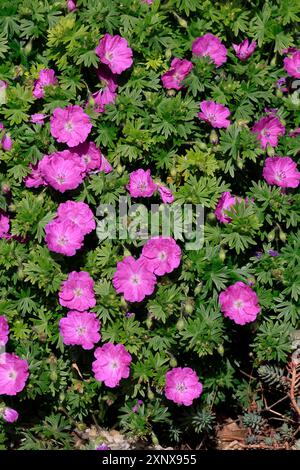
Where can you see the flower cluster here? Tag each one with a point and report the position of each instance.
(137, 278)
(141, 184)
(66, 232)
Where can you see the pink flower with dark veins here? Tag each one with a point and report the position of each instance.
(111, 364)
(268, 130)
(239, 303)
(179, 70)
(46, 78)
(245, 49)
(281, 171)
(115, 52)
(70, 125)
(80, 328)
(292, 64)
(62, 170)
(134, 279)
(62, 236)
(182, 386)
(77, 292)
(141, 184)
(215, 114)
(162, 255)
(79, 214)
(13, 374)
(210, 46)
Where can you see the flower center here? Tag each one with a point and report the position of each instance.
(81, 330)
(211, 117)
(60, 179)
(109, 55)
(180, 387)
(238, 303)
(162, 255)
(86, 158)
(135, 279)
(62, 240)
(12, 375)
(280, 176)
(69, 126)
(114, 364)
(142, 186)
(78, 292)
(265, 133)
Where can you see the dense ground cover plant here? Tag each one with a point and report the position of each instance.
(175, 101)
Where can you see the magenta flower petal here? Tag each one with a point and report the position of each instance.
(161, 255)
(115, 52)
(77, 292)
(134, 279)
(239, 303)
(70, 125)
(210, 46)
(281, 171)
(182, 385)
(111, 364)
(13, 374)
(80, 328)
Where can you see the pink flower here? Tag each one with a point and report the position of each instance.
(4, 225)
(71, 5)
(166, 195)
(141, 184)
(46, 78)
(134, 279)
(4, 331)
(10, 415)
(77, 292)
(80, 328)
(105, 165)
(210, 46)
(70, 125)
(292, 64)
(214, 113)
(79, 214)
(161, 255)
(224, 204)
(239, 303)
(115, 52)
(268, 130)
(62, 236)
(62, 170)
(35, 179)
(38, 118)
(13, 374)
(281, 171)
(108, 93)
(3, 88)
(111, 364)
(6, 142)
(182, 385)
(179, 70)
(295, 132)
(245, 49)
(90, 156)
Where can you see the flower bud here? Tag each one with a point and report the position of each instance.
(168, 53)
(173, 362)
(28, 47)
(180, 324)
(173, 172)
(189, 307)
(214, 138)
(222, 255)
(282, 236)
(270, 151)
(221, 349)
(202, 146)
(271, 235)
